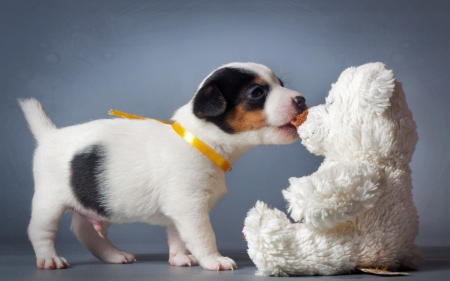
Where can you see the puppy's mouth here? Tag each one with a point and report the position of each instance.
(289, 127)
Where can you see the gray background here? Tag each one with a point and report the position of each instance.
(81, 58)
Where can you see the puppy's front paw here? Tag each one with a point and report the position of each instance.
(179, 259)
(218, 263)
(53, 262)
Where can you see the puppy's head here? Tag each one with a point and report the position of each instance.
(247, 98)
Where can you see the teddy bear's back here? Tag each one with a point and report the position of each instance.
(386, 232)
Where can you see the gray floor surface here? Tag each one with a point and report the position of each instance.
(18, 264)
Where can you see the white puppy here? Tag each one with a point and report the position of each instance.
(120, 170)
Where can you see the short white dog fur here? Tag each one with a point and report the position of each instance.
(357, 210)
(120, 170)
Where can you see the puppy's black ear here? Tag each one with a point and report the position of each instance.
(209, 102)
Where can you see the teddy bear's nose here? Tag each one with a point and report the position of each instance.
(300, 103)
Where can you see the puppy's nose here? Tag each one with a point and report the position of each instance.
(300, 103)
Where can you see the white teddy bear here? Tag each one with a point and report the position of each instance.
(356, 211)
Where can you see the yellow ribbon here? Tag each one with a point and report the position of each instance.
(187, 136)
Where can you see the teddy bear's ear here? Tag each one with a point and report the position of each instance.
(380, 83)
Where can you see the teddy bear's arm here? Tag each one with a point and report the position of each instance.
(333, 195)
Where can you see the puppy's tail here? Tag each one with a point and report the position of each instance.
(38, 121)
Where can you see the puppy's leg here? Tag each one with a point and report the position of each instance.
(196, 230)
(45, 218)
(178, 254)
(100, 247)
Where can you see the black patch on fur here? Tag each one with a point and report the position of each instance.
(86, 170)
(252, 104)
(224, 90)
(209, 102)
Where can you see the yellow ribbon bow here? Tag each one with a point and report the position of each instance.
(187, 136)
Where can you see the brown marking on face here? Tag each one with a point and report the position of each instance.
(242, 120)
(260, 81)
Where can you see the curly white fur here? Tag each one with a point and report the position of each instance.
(357, 209)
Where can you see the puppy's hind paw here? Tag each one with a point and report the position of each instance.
(218, 263)
(179, 259)
(118, 257)
(53, 262)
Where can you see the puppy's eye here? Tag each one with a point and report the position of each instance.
(256, 93)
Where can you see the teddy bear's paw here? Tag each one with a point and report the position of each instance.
(268, 233)
(262, 218)
(299, 196)
(333, 195)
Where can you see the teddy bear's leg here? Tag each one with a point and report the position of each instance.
(281, 248)
(266, 235)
